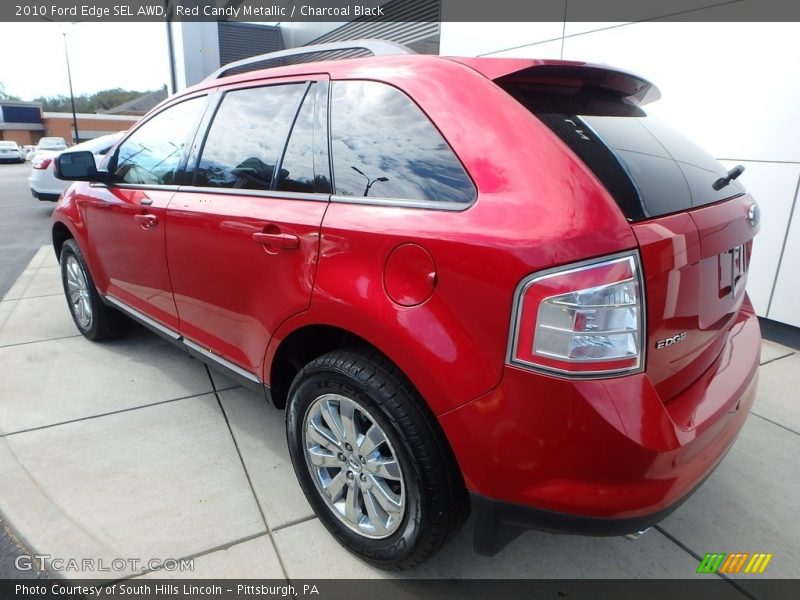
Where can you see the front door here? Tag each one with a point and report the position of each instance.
(127, 220)
(243, 240)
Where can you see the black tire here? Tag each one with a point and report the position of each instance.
(104, 322)
(435, 497)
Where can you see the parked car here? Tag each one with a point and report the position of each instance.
(51, 143)
(473, 283)
(48, 144)
(11, 152)
(29, 150)
(42, 181)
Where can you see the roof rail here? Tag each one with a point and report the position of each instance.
(375, 47)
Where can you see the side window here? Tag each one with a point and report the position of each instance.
(153, 152)
(297, 167)
(246, 137)
(384, 146)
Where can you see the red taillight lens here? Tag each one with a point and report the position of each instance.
(41, 163)
(585, 319)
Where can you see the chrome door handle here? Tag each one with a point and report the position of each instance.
(287, 241)
(146, 221)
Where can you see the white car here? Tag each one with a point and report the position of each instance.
(48, 144)
(42, 180)
(52, 143)
(11, 152)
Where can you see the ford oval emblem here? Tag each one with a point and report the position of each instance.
(754, 215)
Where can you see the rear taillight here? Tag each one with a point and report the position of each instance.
(41, 163)
(584, 319)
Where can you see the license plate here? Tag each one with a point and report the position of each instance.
(732, 270)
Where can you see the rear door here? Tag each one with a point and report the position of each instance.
(694, 231)
(243, 239)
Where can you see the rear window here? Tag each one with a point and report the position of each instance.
(385, 147)
(52, 143)
(649, 168)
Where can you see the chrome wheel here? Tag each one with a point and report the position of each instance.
(354, 466)
(78, 292)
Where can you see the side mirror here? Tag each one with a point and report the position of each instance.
(77, 166)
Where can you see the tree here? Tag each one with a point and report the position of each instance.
(5, 95)
(89, 103)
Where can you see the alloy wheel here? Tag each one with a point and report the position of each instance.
(354, 466)
(78, 292)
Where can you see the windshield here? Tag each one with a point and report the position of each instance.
(99, 145)
(8, 144)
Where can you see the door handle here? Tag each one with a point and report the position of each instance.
(146, 220)
(287, 241)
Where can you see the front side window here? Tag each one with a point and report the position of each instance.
(246, 137)
(383, 146)
(152, 154)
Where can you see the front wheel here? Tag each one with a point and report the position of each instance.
(371, 459)
(92, 317)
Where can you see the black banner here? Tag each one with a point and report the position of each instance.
(400, 10)
(399, 588)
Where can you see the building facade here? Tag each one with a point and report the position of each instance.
(26, 124)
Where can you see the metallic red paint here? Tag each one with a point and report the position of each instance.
(127, 258)
(232, 291)
(604, 448)
(409, 275)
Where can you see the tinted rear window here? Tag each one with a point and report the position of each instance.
(649, 168)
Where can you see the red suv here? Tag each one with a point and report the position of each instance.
(486, 284)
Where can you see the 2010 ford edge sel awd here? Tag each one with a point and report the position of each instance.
(494, 285)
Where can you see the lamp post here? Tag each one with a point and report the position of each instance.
(71, 94)
(370, 182)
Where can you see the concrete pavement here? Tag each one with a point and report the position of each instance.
(130, 450)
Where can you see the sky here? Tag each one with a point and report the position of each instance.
(105, 55)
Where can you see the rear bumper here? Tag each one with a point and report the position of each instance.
(604, 457)
(498, 523)
(44, 185)
(45, 196)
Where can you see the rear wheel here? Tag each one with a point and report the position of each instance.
(92, 317)
(371, 459)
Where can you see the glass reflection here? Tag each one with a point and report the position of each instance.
(152, 154)
(242, 146)
(384, 147)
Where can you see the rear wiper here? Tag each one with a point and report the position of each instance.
(732, 174)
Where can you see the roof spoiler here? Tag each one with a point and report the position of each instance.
(625, 85)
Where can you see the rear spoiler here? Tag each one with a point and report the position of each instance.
(628, 86)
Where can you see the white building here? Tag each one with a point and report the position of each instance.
(732, 87)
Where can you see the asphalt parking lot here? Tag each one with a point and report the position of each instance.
(131, 450)
(24, 225)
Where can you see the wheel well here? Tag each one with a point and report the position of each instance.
(60, 235)
(301, 347)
